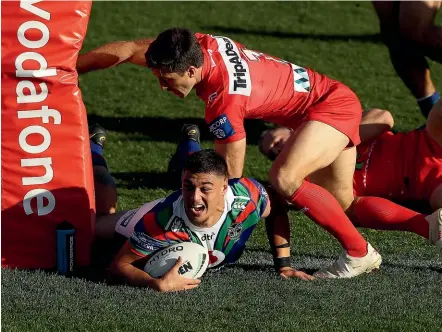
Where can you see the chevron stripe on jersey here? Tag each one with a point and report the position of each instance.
(300, 79)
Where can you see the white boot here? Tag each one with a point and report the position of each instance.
(435, 227)
(348, 267)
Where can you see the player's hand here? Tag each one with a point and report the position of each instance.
(288, 272)
(172, 281)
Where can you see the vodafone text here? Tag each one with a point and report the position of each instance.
(28, 94)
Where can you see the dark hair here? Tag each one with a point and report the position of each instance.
(175, 50)
(206, 161)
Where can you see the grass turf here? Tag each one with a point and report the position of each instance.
(337, 38)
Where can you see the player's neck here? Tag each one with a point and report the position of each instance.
(199, 74)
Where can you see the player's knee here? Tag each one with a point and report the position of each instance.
(284, 182)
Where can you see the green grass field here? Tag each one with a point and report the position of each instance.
(337, 38)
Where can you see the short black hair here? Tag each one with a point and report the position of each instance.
(175, 50)
(206, 161)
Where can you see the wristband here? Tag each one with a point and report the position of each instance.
(285, 245)
(279, 262)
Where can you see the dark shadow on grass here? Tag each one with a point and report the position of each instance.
(433, 267)
(168, 130)
(263, 268)
(152, 180)
(366, 38)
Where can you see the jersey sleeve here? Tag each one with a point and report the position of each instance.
(258, 194)
(152, 232)
(144, 240)
(226, 121)
(253, 189)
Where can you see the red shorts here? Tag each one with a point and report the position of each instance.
(341, 109)
(402, 167)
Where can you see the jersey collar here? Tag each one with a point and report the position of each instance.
(200, 91)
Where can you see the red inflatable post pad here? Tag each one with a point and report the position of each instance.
(46, 162)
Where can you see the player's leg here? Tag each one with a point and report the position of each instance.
(434, 123)
(314, 146)
(416, 24)
(105, 189)
(188, 144)
(337, 178)
(434, 129)
(382, 214)
(410, 65)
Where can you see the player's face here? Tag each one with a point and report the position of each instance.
(203, 195)
(274, 140)
(176, 83)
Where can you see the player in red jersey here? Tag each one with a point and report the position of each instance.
(404, 167)
(238, 83)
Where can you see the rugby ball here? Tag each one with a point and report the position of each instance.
(195, 260)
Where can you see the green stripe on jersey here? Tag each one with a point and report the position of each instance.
(163, 216)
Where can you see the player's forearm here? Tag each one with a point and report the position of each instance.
(113, 54)
(134, 276)
(235, 167)
(278, 230)
(277, 224)
(234, 154)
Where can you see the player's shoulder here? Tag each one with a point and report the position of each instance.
(163, 211)
(206, 40)
(247, 187)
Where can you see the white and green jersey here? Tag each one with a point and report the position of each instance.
(167, 224)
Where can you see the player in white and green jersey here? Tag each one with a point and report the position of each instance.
(208, 210)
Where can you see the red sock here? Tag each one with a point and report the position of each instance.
(380, 213)
(325, 210)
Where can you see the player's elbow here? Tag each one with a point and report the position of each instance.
(115, 275)
(386, 118)
(379, 117)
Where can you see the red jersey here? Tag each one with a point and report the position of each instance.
(238, 83)
(400, 167)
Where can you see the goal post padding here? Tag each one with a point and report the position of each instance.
(46, 163)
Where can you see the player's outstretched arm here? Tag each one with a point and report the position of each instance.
(113, 54)
(123, 267)
(234, 154)
(278, 234)
(375, 122)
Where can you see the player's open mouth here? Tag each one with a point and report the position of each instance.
(197, 209)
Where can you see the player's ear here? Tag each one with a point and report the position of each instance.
(191, 71)
(225, 186)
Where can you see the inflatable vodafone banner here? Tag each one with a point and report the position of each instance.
(46, 162)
